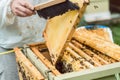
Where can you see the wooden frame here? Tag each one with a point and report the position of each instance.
(27, 71)
(59, 30)
(98, 43)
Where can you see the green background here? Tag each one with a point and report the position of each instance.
(116, 32)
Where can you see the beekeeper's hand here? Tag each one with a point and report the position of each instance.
(22, 8)
(86, 1)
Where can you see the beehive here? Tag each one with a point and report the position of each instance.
(77, 57)
(65, 55)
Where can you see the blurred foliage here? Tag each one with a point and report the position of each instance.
(116, 32)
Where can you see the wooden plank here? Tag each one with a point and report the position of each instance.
(101, 32)
(84, 55)
(90, 53)
(48, 4)
(37, 62)
(27, 69)
(98, 43)
(70, 63)
(79, 57)
(45, 61)
(96, 55)
(92, 74)
(37, 44)
(59, 30)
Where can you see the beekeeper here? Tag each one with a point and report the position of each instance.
(19, 25)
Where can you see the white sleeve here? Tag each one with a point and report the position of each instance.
(6, 15)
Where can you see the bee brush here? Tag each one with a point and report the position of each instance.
(54, 8)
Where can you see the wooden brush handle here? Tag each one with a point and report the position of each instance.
(48, 4)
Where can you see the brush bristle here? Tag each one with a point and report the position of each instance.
(56, 10)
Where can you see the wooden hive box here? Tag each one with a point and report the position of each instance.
(38, 55)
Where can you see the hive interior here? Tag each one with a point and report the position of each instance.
(78, 56)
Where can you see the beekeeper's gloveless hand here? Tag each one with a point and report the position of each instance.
(22, 8)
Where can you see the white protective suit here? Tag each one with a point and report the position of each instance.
(16, 31)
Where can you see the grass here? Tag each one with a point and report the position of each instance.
(116, 32)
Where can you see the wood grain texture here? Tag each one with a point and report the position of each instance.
(59, 30)
(27, 69)
(84, 55)
(48, 4)
(80, 58)
(45, 61)
(98, 43)
(93, 55)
